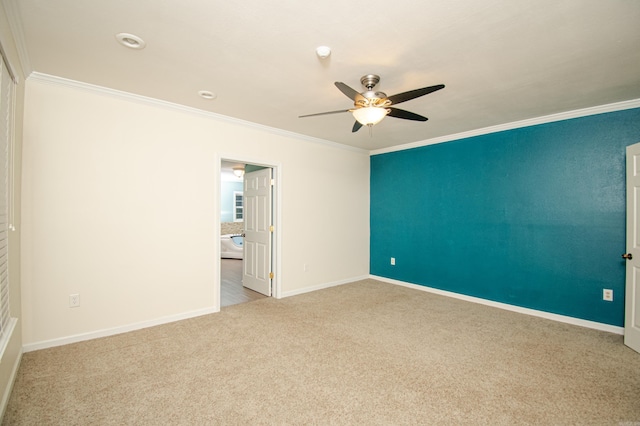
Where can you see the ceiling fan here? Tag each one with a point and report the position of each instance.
(371, 107)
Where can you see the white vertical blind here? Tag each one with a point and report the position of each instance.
(6, 117)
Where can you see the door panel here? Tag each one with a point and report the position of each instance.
(257, 230)
(632, 293)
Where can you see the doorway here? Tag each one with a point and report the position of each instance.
(238, 261)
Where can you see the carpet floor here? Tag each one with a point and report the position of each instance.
(365, 353)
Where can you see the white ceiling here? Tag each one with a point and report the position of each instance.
(501, 60)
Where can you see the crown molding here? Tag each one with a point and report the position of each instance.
(60, 81)
(618, 106)
(12, 10)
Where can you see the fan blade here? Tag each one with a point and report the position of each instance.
(351, 93)
(412, 94)
(324, 113)
(356, 126)
(407, 115)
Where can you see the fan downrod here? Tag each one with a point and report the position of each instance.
(369, 81)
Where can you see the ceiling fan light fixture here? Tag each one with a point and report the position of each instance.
(368, 116)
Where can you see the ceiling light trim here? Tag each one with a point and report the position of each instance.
(131, 41)
(207, 94)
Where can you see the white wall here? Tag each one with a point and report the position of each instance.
(119, 200)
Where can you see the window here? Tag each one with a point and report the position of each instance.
(238, 207)
(7, 91)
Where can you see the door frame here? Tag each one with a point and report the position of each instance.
(276, 245)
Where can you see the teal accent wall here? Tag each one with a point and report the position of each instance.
(226, 199)
(532, 217)
(252, 168)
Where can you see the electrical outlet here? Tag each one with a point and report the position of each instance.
(607, 294)
(305, 267)
(393, 260)
(74, 300)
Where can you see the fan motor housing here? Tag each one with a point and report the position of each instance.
(370, 80)
(370, 94)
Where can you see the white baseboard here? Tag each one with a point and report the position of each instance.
(172, 318)
(116, 330)
(9, 388)
(144, 324)
(536, 313)
(322, 286)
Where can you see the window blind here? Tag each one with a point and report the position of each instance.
(6, 119)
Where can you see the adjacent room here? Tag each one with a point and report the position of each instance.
(319, 213)
(237, 280)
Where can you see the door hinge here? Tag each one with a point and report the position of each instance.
(271, 228)
(271, 275)
(273, 182)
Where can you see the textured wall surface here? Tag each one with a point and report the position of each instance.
(533, 217)
(231, 228)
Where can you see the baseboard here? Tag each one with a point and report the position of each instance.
(536, 313)
(322, 286)
(9, 388)
(165, 320)
(145, 324)
(116, 330)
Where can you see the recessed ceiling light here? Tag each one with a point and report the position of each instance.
(131, 41)
(207, 94)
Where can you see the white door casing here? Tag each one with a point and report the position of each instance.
(632, 293)
(257, 231)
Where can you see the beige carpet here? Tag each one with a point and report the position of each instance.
(366, 353)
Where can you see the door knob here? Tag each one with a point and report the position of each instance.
(627, 256)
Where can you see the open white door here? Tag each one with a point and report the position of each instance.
(632, 294)
(257, 231)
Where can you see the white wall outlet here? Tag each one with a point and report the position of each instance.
(305, 267)
(607, 294)
(74, 300)
(393, 260)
